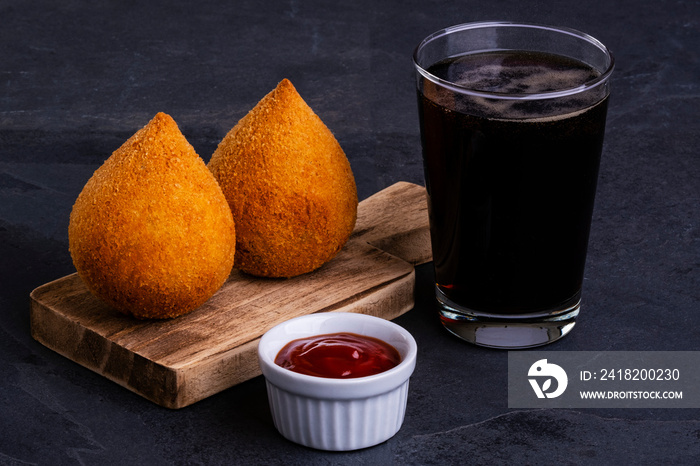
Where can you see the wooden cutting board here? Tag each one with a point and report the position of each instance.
(180, 361)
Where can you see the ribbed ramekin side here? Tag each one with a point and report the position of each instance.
(338, 425)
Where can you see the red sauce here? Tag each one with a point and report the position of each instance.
(338, 356)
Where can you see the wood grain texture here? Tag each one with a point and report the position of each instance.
(180, 361)
(395, 220)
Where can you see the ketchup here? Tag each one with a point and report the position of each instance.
(338, 356)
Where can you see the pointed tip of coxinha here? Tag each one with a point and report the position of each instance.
(286, 85)
(280, 123)
(163, 125)
(291, 108)
(284, 90)
(283, 106)
(285, 94)
(161, 137)
(162, 119)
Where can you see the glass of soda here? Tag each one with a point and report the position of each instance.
(512, 118)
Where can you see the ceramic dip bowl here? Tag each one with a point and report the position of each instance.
(333, 413)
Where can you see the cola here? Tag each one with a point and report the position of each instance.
(511, 180)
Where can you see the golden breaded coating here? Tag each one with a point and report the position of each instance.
(151, 232)
(289, 185)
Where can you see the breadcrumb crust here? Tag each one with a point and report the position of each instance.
(151, 232)
(289, 185)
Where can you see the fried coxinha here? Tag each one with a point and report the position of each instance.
(151, 233)
(289, 185)
(155, 232)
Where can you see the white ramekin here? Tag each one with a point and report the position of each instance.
(337, 414)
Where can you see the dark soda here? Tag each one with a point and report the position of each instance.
(511, 183)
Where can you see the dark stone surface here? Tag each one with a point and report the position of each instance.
(77, 78)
